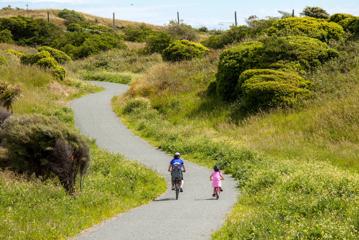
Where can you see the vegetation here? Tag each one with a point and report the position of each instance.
(233, 35)
(315, 12)
(306, 26)
(181, 31)
(8, 95)
(58, 55)
(183, 50)
(57, 214)
(157, 42)
(44, 147)
(304, 51)
(45, 60)
(137, 33)
(261, 89)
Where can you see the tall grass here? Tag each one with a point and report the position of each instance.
(119, 66)
(297, 169)
(31, 209)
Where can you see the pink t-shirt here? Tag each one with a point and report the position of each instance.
(216, 179)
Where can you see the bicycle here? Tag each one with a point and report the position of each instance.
(177, 184)
(216, 192)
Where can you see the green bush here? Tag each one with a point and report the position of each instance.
(71, 16)
(232, 63)
(306, 26)
(181, 31)
(309, 52)
(45, 60)
(44, 147)
(233, 35)
(157, 42)
(183, 50)
(14, 52)
(338, 17)
(315, 12)
(261, 89)
(59, 56)
(6, 36)
(30, 31)
(136, 104)
(137, 33)
(276, 52)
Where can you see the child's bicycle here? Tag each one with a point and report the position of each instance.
(177, 183)
(216, 192)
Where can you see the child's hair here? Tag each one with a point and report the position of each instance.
(216, 168)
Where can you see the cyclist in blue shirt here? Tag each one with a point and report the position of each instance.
(177, 164)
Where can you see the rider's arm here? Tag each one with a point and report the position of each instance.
(170, 168)
(210, 177)
(184, 169)
(222, 178)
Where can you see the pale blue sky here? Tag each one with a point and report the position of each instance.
(210, 13)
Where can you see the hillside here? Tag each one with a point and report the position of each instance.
(274, 111)
(54, 18)
(273, 103)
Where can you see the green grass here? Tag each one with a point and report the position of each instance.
(104, 76)
(32, 209)
(297, 169)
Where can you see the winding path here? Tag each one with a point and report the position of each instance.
(194, 216)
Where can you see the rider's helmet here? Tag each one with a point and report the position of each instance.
(177, 155)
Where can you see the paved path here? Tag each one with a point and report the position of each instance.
(194, 216)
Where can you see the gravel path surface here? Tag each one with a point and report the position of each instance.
(194, 216)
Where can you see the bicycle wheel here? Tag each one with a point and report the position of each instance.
(217, 193)
(177, 187)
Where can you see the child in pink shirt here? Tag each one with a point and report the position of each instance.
(216, 178)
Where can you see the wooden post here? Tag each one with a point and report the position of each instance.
(48, 16)
(114, 20)
(293, 15)
(235, 19)
(178, 18)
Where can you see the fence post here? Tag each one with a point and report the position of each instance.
(48, 16)
(178, 18)
(235, 19)
(293, 15)
(113, 20)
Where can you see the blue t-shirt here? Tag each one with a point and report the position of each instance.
(177, 161)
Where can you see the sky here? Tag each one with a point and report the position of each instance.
(210, 13)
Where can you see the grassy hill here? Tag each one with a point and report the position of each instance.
(296, 165)
(54, 18)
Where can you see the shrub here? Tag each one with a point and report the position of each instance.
(45, 60)
(14, 52)
(59, 56)
(30, 31)
(71, 16)
(106, 76)
(315, 12)
(338, 17)
(137, 33)
(266, 88)
(306, 26)
(157, 42)
(8, 94)
(2, 60)
(138, 103)
(232, 62)
(309, 52)
(183, 50)
(44, 147)
(6, 36)
(181, 31)
(235, 34)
